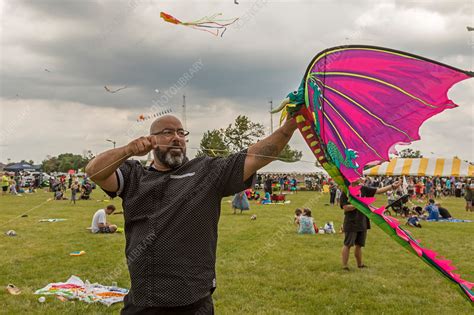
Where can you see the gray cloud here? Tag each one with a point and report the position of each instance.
(89, 44)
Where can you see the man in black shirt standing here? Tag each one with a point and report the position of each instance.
(356, 224)
(171, 212)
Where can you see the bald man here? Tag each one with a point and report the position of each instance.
(171, 212)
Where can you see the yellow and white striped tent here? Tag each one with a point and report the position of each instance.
(423, 167)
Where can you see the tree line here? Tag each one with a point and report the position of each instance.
(237, 137)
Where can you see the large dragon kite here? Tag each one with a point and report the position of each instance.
(354, 104)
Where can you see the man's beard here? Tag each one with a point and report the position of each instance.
(170, 159)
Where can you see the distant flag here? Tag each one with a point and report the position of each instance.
(405, 185)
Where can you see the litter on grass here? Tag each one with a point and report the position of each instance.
(52, 220)
(12, 289)
(75, 288)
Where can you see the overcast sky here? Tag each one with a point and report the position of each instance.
(86, 44)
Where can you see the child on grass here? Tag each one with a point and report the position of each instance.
(306, 223)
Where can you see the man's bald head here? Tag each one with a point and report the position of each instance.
(171, 139)
(166, 121)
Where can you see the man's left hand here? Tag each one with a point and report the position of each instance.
(396, 184)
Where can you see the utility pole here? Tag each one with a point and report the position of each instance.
(271, 116)
(113, 142)
(184, 112)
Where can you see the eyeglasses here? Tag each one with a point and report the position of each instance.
(168, 133)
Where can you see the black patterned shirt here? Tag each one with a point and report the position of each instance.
(171, 226)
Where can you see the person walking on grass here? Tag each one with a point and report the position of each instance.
(5, 183)
(74, 189)
(468, 195)
(171, 211)
(356, 223)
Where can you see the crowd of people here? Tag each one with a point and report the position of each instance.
(429, 187)
(24, 182)
(401, 193)
(420, 188)
(286, 182)
(60, 185)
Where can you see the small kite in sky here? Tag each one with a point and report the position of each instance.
(207, 24)
(470, 28)
(47, 70)
(235, 1)
(144, 117)
(114, 91)
(157, 91)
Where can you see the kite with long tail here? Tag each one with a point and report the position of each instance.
(210, 24)
(354, 104)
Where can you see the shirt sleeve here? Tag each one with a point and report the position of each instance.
(366, 191)
(343, 201)
(124, 176)
(230, 172)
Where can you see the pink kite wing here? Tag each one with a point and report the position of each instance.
(368, 99)
(354, 104)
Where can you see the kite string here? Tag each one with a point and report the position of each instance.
(211, 150)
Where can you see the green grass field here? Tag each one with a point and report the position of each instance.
(263, 266)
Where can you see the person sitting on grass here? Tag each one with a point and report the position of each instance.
(413, 221)
(433, 210)
(443, 212)
(59, 195)
(267, 199)
(99, 221)
(306, 223)
(418, 211)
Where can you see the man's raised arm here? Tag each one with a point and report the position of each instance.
(268, 149)
(101, 169)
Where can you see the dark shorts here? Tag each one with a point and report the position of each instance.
(204, 306)
(104, 229)
(4, 188)
(355, 238)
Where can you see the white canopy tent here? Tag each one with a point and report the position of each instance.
(299, 167)
(423, 167)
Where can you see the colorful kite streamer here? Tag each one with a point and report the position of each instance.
(208, 24)
(143, 117)
(354, 104)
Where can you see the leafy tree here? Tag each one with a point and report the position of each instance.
(409, 153)
(50, 165)
(212, 144)
(237, 137)
(242, 133)
(289, 155)
(64, 162)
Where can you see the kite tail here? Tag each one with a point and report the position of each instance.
(390, 225)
